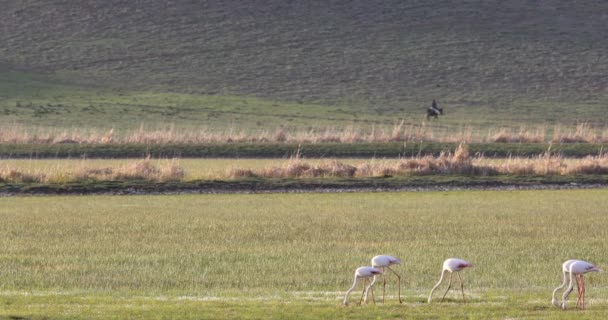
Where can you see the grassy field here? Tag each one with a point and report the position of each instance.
(195, 64)
(377, 55)
(36, 101)
(292, 255)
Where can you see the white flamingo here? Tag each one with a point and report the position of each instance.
(362, 273)
(451, 265)
(565, 271)
(576, 268)
(385, 262)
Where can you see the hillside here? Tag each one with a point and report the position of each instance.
(491, 62)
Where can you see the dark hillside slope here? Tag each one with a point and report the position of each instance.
(369, 55)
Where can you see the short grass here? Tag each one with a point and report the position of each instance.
(45, 101)
(292, 255)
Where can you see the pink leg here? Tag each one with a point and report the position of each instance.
(583, 292)
(578, 287)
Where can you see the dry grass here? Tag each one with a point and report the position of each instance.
(137, 170)
(460, 162)
(398, 132)
(521, 136)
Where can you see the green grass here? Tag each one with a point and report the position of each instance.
(285, 150)
(74, 306)
(254, 256)
(33, 101)
(42, 100)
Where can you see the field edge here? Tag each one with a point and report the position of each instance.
(270, 185)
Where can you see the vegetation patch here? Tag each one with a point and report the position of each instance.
(286, 150)
(293, 255)
(400, 132)
(460, 162)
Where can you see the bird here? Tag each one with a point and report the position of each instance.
(384, 262)
(451, 265)
(362, 273)
(565, 271)
(576, 268)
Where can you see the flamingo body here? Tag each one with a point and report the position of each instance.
(455, 265)
(384, 261)
(452, 265)
(362, 273)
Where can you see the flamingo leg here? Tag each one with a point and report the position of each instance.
(582, 292)
(449, 287)
(373, 298)
(461, 287)
(578, 288)
(383, 283)
(363, 292)
(367, 290)
(398, 283)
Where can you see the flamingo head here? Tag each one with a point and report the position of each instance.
(555, 302)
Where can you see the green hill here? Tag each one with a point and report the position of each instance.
(302, 63)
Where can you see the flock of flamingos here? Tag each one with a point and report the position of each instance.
(571, 269)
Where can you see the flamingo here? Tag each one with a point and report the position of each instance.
(576, 268)
(565, 271)
(362, 273)
(451, 265)
(382, 262)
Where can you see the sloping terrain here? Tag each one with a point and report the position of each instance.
(485, 61)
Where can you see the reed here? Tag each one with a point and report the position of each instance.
(400, 131)
(460, 162)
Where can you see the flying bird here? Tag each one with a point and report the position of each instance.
(575, 269)
(362, 273)
(384, 262)
(451, 265)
